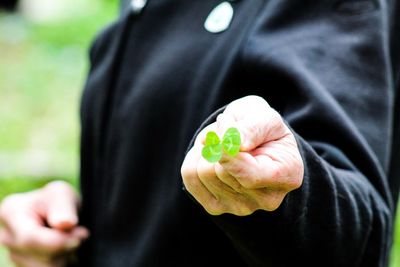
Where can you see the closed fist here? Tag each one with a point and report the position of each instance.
(266, 169)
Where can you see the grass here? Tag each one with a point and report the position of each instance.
(42, 71)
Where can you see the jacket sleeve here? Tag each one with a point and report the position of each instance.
(327, 69)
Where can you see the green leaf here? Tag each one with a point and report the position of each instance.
(212, 153)
(212, 139)
(231, 142)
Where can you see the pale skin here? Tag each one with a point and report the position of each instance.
(268, 167)
(40, 228)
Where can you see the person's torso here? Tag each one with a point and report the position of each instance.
(155, 77)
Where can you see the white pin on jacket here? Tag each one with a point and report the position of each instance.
(138, 5)
(220, 18)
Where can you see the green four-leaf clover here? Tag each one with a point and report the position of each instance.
(213, 147)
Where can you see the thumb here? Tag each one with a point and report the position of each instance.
(61, 202)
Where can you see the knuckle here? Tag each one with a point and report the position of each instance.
(214, 207)
(57, 184)
(272, 207)
(297, 176)
(277, 124)
(273, 201)
(295, 183)
(300, 170)
(243, 211)
(57, 187)
(275, 116)
(214, 212)
(240, 213)
(255, 100)
(278, 176)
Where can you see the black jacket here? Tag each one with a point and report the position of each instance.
(331, 68)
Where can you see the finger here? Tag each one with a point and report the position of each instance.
(25, 231)
(61, 207)
(25, 260)
(207, 175)
(263, 198)
(30, 235)
(80, 232)
(252, 172)
(193, 184)
(228, 179)
(230, 201)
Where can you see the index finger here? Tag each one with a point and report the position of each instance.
(30, 235)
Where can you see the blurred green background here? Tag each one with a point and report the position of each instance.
(43, 64)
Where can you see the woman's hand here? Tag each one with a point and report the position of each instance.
(41, 227)
(267, 168)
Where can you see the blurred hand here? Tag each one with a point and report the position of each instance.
(41, 227)
(266, 169)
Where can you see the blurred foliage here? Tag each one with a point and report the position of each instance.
(43, 64)
(42, 71)
(395, 259)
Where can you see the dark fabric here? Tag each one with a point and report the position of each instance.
(9, 5)
(394, 173)
(329, 67)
